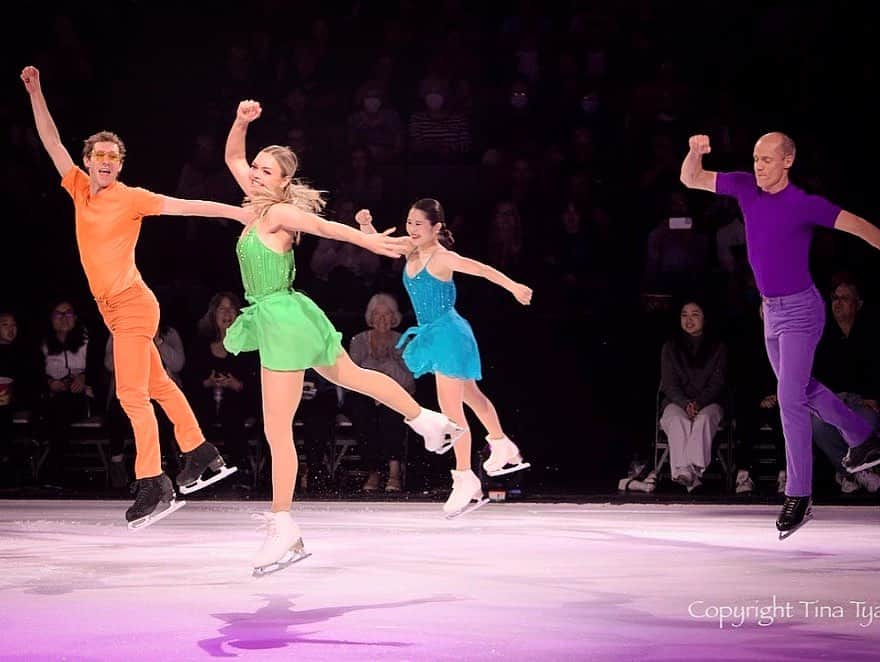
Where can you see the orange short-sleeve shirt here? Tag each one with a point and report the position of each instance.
(107, 229)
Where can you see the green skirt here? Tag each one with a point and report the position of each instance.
(289, 331)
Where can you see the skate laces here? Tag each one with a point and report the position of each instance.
(266, 522)
(142, 494)
(791, 504)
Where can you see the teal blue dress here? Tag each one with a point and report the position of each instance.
(443, 341)
(286, 327)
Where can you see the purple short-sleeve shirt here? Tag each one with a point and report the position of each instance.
(779, 230)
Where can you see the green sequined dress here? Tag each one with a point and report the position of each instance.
(288, 329)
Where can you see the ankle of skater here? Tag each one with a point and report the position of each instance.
(188, 447)
(412, 413)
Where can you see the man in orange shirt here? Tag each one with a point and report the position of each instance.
(108, 221)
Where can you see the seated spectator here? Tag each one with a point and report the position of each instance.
(693, 380)
(70, 380)
(437, 135)
(376, 124)
(358, 181)
(505, 239)
(16, 390)
(223, 388)
(566, 258)
(381, 432)
(678, 253)
(848, 362)
(516, 125)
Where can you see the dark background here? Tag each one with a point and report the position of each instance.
(573, 380)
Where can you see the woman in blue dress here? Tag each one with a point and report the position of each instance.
(443, 344)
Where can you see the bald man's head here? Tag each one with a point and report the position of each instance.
(773, 156)
(780, 140)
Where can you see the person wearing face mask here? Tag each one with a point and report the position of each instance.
(375, 125)
(290, 332)
(436, 134)
(108, 221)
(779, 219)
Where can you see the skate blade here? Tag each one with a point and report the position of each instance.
(442, 448)
(469, 508)
(294, 557)
(786, 534)
(152, 518)
(455, 434)
(509, 469)
(864, 466)
(199, 484)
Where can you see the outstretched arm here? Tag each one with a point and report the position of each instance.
(236, 156)
(46, 128)
(179, 207)
(858, 226)
(292, 219)
(692, 173)
(466, 265)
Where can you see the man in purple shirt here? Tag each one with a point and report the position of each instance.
(779, 219)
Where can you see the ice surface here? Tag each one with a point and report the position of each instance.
(397, 581)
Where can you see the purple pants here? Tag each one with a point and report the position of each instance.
(793, 325)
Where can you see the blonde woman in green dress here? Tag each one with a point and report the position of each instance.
(290, 332)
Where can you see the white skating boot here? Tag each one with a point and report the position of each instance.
(505, 457)
(467, 494)
(283, 545)
(439, 431)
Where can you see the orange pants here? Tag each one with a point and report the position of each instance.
(133, 318)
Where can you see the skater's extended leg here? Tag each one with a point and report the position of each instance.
(439, 432)
(378, 386)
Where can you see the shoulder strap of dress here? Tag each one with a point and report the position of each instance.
(430, 257)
